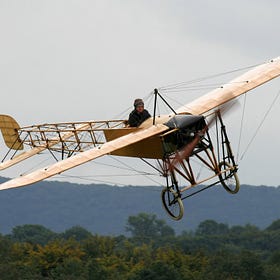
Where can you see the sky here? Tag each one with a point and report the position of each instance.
(81, 60)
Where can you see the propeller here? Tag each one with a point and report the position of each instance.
(186, 151)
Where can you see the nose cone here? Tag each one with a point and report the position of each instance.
(185, 121)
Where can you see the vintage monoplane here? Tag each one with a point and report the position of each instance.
(174, 140)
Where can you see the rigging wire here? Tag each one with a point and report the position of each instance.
(189, 89)
(133, 169)
(106, 182)
(112, 165)
(35, 166)
(172, 99)
(207, 77)
(201, 87)
(241, 127)
(149, 99)
(260, 125)
(126, 168)
(124, 114)
(117, 175)
(184, 87)
(90, 180)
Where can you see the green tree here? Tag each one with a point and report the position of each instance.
(145, 227)
(157, 271)
(78, 233)
(250, 266)
(275, 258)
(58, 259)
(274, 226)
(99, 246)
(210, 227)
(35, 234)
(5, 248)
(19, 264)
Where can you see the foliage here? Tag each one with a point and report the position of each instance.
(274, 226)
(210, 227)
(153, 252)
(36, 234)
(145, 227)
(77, 232)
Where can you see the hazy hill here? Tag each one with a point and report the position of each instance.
(104, 209)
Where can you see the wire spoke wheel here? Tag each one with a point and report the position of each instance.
(172, 203)
(229, 178)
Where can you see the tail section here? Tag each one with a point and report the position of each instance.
(9, 128)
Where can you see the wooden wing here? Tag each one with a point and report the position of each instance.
(85, 156)
(248, 81)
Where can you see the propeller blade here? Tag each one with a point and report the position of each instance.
(187, 150)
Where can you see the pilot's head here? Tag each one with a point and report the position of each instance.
(139, 105)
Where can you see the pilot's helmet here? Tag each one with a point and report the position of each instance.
(138, 102)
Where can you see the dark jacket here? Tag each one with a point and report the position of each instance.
(136, 118)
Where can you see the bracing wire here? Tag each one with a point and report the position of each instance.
(149, 99)
(172, 99)
(260, 125)
(104, 182)
(199, 87)
(124, 114)
(135, 170)
(125, 167)
(120, 165)
(94, 178)
(241, 127)
(184, 87)
(35, 166)
(176, 85)
(189, 86)
(91, 180)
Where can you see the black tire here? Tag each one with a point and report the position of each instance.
(172, 203)
(229, 178)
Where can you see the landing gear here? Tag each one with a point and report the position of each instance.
(229, 178)
(189, 147)
(172, 203)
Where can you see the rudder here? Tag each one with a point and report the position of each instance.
(9, 128)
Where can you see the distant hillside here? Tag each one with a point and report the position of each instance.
(104, 209)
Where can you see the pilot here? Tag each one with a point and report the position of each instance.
(139, 114)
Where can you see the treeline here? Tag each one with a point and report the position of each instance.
(151, 250)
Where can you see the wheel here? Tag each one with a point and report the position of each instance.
(172, 203)
(229, 178)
